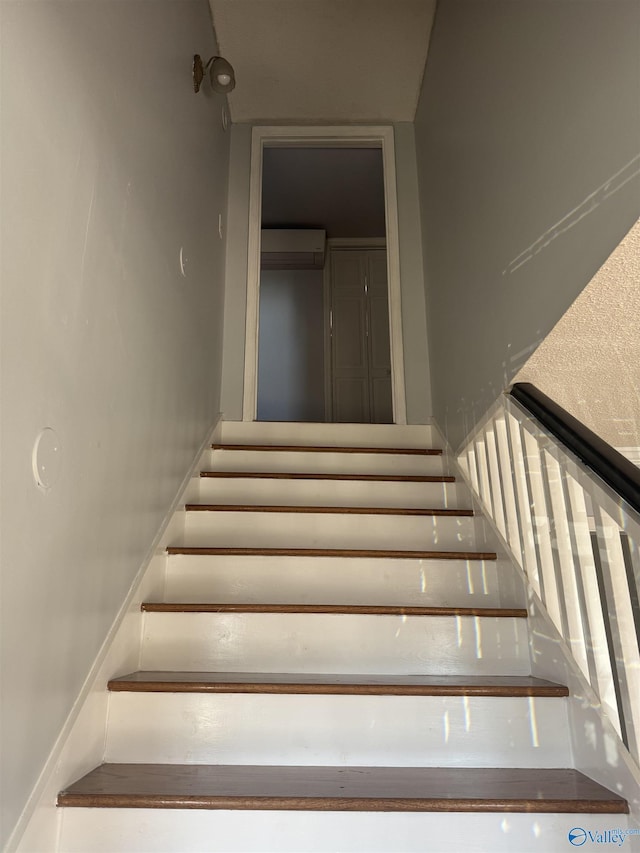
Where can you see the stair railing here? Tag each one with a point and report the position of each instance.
(567, 506)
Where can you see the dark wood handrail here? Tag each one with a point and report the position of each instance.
(612, 467)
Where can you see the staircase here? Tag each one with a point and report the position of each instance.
(336, 665)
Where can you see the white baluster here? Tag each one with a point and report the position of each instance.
(565, 562)
(496, 481)
(601, 675)
(523, 503)
(540, 517)
(483, 475)
(514, 536)
(473, 468)
(623, 633)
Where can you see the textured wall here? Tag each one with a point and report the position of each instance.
(528, 138)
(590, 361)
(111, 164)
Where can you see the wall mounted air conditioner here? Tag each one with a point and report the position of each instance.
(292, 248)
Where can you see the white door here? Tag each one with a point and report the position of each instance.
(360, 355)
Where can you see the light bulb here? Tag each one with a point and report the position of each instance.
(222, 77)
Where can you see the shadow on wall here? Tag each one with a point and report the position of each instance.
(592, 201)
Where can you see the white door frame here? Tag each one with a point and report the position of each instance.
(306, 137)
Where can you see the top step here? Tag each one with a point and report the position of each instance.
(326, 434)
(315, 448)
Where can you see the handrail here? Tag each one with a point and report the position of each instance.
(567, 507)
(610, 465)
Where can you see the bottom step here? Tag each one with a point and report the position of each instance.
(404, 789)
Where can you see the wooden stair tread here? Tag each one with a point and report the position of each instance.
(340, 789)
(331, 552)
(341, 609)
(314, 448)
(310, 683)
(339, 510)
(287, 475)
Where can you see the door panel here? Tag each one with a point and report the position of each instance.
(349, 352)
(360, 345)
(349, 334)
(347, 271)
(351, 400)
(377, 271)
(380, 361)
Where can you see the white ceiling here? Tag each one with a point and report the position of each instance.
(324, 60)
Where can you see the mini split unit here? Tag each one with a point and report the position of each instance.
(292, 249)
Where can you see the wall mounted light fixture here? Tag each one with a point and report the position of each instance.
(221, 74)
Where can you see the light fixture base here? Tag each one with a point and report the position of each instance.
(198, 72)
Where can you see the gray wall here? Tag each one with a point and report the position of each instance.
(417, 378)
(291, 346)
(110, 165)
(526, 129)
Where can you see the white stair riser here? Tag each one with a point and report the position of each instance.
(388, 731)
(331, 493)
(194, 831)
(329, 530)
(327, 580)
(322, 463)
(326, 435)
(330, 643)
